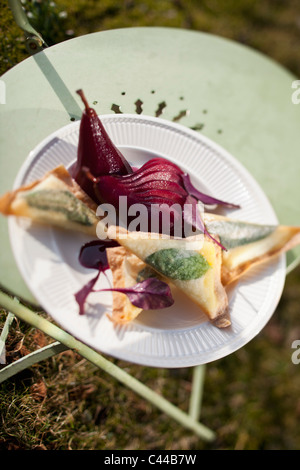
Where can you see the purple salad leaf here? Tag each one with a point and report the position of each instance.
(83, 293)
(150, 294)
(204, 198)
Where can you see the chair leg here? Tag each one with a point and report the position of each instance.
(197, 391)
(26, 315)
(4, 334)
(30, 359)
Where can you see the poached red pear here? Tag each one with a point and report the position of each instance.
(96, 152)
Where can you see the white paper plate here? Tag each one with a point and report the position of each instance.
(179, 336)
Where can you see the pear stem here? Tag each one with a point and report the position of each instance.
(82, 96)
(89, 175)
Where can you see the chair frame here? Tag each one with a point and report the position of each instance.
(64, 341)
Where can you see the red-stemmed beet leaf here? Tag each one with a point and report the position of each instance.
(150, 294)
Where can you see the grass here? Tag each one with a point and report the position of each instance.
(251, 397)
(270, 26)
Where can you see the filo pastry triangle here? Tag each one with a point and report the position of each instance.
(193, 265)
(55, 199)
(249, 244)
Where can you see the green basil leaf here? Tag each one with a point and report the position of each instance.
(61, 201)
(178, 264)
(236, 233)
